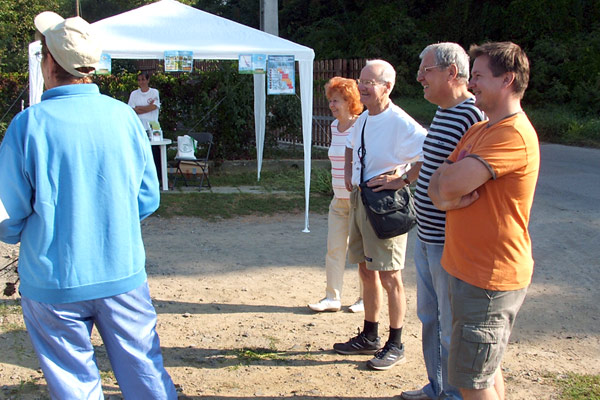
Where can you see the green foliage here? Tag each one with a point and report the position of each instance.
(219, 100)
(561, 38)
(320, 181)
(12, 90)
(17, 30)
(559, 125)
(243, 11)
(284, 117)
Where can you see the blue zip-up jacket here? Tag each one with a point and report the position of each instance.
(76, 178)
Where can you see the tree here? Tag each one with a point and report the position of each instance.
(17, 30)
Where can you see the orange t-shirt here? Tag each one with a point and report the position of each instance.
(487, 243)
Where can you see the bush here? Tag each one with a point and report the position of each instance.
(561, 125)
(218, 100)
(320, 179)
(13, 89)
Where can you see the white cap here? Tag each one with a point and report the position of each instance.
(71, 41)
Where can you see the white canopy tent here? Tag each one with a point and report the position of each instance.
(147, 32)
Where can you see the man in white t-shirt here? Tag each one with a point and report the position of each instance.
(145, 101)
(392, 141)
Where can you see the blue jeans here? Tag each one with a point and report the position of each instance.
(433, 309)
(60, 334)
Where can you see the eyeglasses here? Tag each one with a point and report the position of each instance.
(425, 70)
(38, 56)
(365, 82)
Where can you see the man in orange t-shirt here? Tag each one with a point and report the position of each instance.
(487, 186)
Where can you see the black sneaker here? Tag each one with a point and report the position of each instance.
(358, 345)
(387, 357)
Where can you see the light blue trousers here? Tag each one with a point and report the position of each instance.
(60, 334)
(433, 309)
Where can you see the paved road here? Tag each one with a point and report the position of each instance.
(565, 231)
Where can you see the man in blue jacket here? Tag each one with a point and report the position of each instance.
(76, 178)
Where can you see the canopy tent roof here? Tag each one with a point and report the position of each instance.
(147, 32)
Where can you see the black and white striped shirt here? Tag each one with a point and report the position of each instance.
(446, 130)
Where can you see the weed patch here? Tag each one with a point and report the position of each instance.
(579, 387)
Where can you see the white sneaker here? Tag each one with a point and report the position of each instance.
(326, 305)
(358, 306)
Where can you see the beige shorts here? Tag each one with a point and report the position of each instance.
(364, 245)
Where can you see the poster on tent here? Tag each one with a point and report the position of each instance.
(252, 64)
(281, 75)
(179, 61)
(104, 66)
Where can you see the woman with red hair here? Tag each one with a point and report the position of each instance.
(345, 105)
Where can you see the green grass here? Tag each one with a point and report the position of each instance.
(212, 206)
(31, 386)
(9, 309)
(247, 355)
(579, 387)
(559, 125)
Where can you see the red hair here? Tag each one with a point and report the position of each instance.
(348, 89)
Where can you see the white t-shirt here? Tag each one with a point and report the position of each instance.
(393, 140)
(337, 156)
(139, 98)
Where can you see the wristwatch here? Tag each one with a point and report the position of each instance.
(405, 179)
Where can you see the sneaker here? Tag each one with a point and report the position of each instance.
(326, 305)
(357, 307)
(418, 394)
(358, 345)
(387, 357)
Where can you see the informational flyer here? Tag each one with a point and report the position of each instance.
(281, 73)
(105, 65)
(179, 61)
(252, 64)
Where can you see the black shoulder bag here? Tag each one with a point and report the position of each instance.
(390, 212)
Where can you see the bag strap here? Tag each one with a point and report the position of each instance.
(364, 151)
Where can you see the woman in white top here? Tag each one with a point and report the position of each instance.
(345, 105)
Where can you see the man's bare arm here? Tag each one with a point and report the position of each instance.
(145, 109)
(455, 185)
(394, 181)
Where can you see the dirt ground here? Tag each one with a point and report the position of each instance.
(223, 287)
(243, 284)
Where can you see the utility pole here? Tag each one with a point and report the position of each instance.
(269, 20)
(77, 7)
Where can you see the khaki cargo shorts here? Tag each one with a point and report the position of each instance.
(364, 245)
(482, 321)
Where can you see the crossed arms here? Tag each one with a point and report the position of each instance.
(454, 185)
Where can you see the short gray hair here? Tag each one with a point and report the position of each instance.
(448, 53)
(388, 73)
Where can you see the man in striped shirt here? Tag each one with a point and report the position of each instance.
(444, 74)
